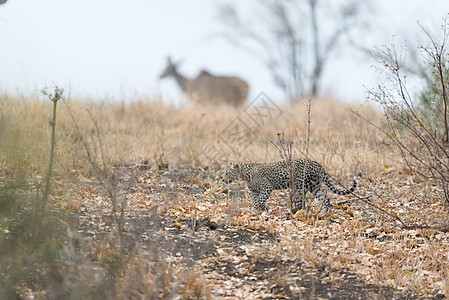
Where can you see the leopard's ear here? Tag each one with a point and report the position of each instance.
(234, 165)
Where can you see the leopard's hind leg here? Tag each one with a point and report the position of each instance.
(299, 200)
(320, 195)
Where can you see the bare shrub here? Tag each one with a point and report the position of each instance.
(100, 166)
(422, 142)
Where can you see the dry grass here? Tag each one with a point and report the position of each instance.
(157, 133)
(179, 136)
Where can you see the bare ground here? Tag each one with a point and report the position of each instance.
(172, 212)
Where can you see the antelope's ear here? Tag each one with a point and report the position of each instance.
(179, 62)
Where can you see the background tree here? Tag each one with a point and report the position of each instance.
(295, 39)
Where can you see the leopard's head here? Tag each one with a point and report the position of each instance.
(232, 172)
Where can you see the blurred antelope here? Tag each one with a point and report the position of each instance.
(207, 88)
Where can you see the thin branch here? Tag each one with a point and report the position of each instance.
(55, 95)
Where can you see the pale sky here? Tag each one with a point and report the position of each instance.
(111, 49)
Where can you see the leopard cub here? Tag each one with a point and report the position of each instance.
(263, 178)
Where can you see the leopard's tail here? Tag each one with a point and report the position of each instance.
(336, 190)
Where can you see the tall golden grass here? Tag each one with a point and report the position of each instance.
(158, 133)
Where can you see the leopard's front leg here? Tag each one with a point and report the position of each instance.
(260, 192)
(263, 197)
(258, 200)
(255, 199)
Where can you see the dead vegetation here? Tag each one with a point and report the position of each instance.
(174, 202)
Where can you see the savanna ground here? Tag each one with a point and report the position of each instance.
(138, 211)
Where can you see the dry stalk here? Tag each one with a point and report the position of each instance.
(309, 109)
(285, 149)
(53, 96)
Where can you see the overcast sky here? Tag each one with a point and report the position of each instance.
(111, 49)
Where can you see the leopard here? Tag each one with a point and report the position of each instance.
(262, 178)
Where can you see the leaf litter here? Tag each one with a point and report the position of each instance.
(355, 251)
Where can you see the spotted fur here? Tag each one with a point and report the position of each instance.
(263, 178)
